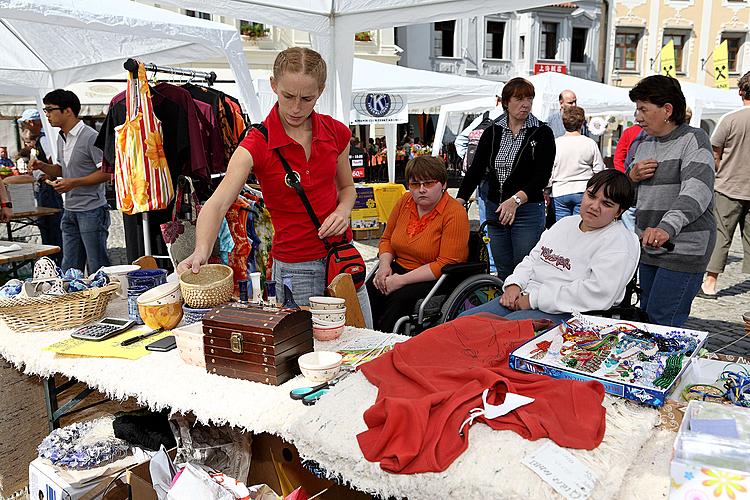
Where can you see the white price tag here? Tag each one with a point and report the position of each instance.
(561, 470)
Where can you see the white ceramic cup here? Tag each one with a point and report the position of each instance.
(120, 274)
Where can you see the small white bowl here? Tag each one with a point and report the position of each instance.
(330, 315)
(327, 324)
(325, 334)
(326, 303)
(320, 366)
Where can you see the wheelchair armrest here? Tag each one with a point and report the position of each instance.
(465, 268)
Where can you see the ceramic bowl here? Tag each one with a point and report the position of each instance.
(168, 293)
(165, 316)
(327, 324)
(320, 366)
(327, 303)
(323, 333)
(330, 315)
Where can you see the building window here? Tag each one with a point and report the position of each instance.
(444, 35)
(522, 47)
(548, 42)
(493, 40)
(626, 51)
(198, 14)
(679, 38)
(578, 45)
(734, 44)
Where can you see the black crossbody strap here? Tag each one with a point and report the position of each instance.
(292, 180)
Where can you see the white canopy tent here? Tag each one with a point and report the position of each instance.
(333, 24)
(52, 43)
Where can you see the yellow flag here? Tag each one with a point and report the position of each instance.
(666, 60)
(721, 66)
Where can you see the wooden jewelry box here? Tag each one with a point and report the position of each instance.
(257, 343)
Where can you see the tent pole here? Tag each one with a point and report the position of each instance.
(390, 141)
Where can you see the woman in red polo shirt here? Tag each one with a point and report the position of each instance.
(317, 147)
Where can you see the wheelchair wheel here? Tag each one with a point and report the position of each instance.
(470, 293)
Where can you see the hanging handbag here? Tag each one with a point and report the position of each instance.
(179, 234)
(142, 179)
(342, 256)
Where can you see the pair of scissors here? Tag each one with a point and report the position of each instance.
(310, 395)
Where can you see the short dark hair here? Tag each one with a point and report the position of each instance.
(617, 187)
(516, 87)
(744, 85)
(573, 117)
(426, 168)
(63, 99)
(660, 90)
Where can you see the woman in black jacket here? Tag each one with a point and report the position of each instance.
(514, 156)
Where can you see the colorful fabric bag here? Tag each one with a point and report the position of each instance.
(142, 178)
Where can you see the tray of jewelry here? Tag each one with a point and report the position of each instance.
(638, 361)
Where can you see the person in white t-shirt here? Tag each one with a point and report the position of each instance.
(582, 263)
(577, 158)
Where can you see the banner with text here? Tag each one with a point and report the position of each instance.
(667, 60)
(378, 108)
(721, 66)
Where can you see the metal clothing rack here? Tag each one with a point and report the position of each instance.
(209, 76)
(131, 65)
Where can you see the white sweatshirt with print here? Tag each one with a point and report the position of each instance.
(574, 271)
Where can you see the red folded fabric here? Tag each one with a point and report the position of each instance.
(428, 385)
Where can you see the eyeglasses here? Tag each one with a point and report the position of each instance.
(419, 184)
(50, 110)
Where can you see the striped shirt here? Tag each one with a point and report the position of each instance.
(510, 145)
(678, 198)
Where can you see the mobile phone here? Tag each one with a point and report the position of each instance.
(162, 345)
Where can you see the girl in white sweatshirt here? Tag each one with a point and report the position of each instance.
(582, 263)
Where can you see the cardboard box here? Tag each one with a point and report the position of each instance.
(46, 484)
(522, 359)
(21, 192)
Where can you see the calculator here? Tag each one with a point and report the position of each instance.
(104, 329)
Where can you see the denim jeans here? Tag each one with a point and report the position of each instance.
(494, 307)
(481, 200)
(511, 243)
(85, 239)
(309, 280)
(567, 204)
(667, 295)
(49, 226)
(628, 218)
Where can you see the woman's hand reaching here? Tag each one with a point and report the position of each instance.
(334, 225)
(194, 262)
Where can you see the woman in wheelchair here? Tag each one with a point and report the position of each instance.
(582, 263)
(426, 230)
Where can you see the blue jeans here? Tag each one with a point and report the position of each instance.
(309, 280)
(85, 239)
(667, 295)
(494, 307)
(628, 218)
(511, 243)
(481, 200)
(49, 226)
(567, 204)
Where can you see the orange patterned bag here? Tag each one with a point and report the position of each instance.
(142, 178)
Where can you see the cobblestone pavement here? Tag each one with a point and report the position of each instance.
(722, 317)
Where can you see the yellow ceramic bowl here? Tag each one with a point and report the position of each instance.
(165, 316)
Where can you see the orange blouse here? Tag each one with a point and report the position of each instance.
(444, 239)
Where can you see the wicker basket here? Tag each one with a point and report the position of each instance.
(56, 312)
(211, 286)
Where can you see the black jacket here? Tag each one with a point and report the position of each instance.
(531, 170)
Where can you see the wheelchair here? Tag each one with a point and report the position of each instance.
(460, 287)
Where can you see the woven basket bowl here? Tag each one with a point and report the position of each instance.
(56, 312)
(211, 286)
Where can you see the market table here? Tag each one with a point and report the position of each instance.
(28, 252)
(631, 462)
(28, 218)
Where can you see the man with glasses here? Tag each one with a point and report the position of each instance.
(85, 223)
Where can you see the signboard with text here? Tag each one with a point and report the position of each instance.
(550, 68)
(370, 108)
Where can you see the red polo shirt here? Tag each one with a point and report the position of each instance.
(295, 238)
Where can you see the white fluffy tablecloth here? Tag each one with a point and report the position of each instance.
(490, 468)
